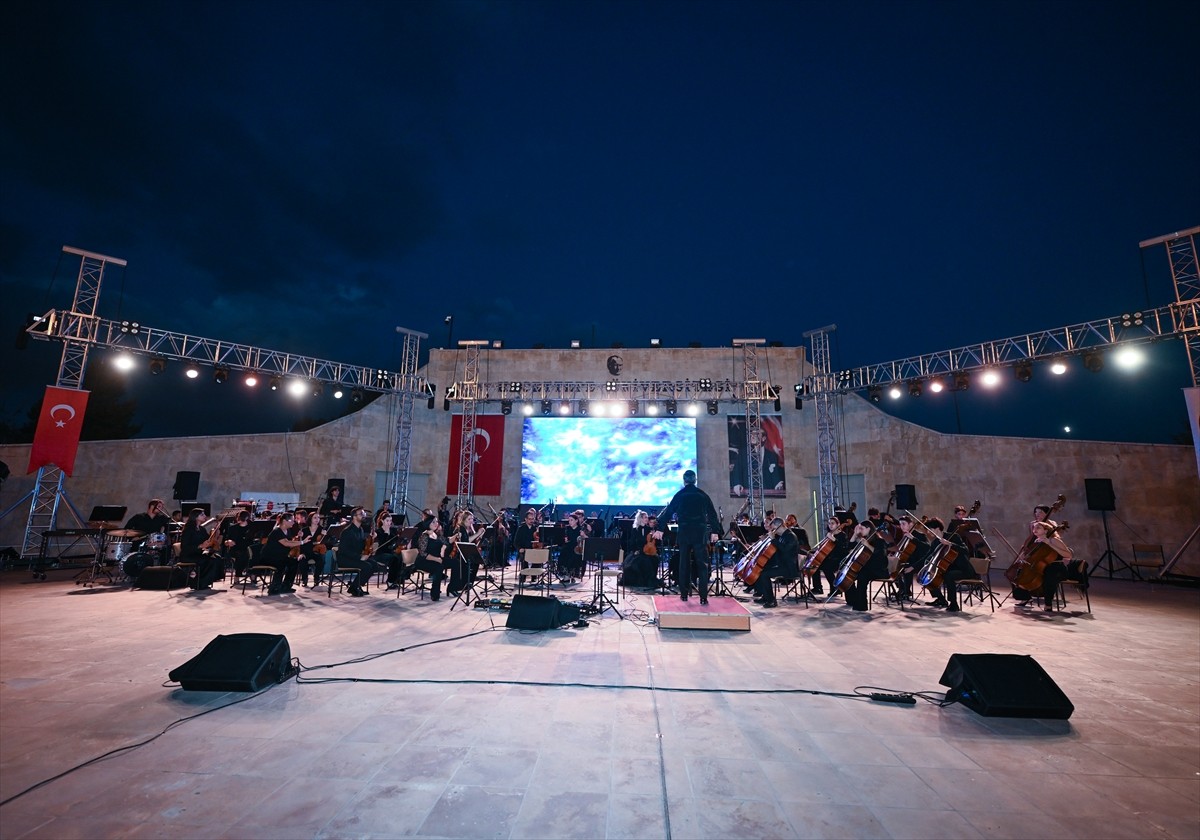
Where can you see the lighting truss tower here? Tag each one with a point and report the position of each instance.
(1185, 271)
(409, 385)
(79, 333)
(827, 443)
(754, 391)
(467, 394)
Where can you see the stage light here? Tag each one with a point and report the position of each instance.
(672, 407)
(191, 372)
(777, 405)
(1024, 371)
(131, 327)
(600, 409)
(652, 409)
(356, 396)
(1058, 367)
(1132, 320)
(799, 389)
(157, 366)
(914, 388)
(527, 409)
(1093, 361)
(274, 383)
(989, 378)
(221, 375)
(712, 406)
(582, 408)
(656, 342)
(506, 406)
(564, 408)
(610, 386)
(962, 381)
(251, 380)
(297, 388)
(546, 407)
(497, 344)
(338, 393)
(693, 409)
(936, 385)
(1067, 430)
(317, 388)
(446, 398)
(123, 361)
(432, 392)
(874, 393)
(1129, 358)
(633, 407)
(705, 384)
(894, 392)
(576, 344)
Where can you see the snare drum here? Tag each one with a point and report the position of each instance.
(116, 550)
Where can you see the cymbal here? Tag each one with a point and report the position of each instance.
(129, 533)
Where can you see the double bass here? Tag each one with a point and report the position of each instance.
(1014, 570)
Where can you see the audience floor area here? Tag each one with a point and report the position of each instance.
(409, 719)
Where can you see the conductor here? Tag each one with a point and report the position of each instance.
(698, 526)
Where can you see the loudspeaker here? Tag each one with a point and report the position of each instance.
(1100, 494)
(532, 612)
(161, 577)
(241, 662)
(1004, 685)
(906, 497)
(187, 485)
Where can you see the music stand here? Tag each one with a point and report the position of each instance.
(470, 556)
(108, 513)
(602, 550)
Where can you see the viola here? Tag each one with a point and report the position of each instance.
(650, 549)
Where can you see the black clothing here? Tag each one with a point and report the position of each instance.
(697, 522)
(191, 550)
(638, 568)
(351, 544)
(784, 563)
(570, 553)
(959, 569)
(276, 554)
(874, 568)
(239, 534)
(332, 509)
(430, 559)
(1058, 571)
(461, 572)
(387, 553)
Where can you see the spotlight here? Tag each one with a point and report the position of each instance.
(338, 393)
(894, 392)
(693, 409)
(1093, 361)
(123, 361)
(274, 383)
(962, 381)
(633, 407)
(600, 409)
(874, 393)
(936, 385)
(157, 366)
(1129, 358)
(576, 344)
(564, 408)
(582, 408)
(497, 344)
(191, 372)
(990, 379)
(672, 407)
(131, 327)
(356, 396)
(610, 386)
(251, 380)
(506, 406)
(515, 387)
(527, 409)
(297, 388)
(712, 406)
(1058, 367)
(1024, 371)
(317, 388)
(1132, 320)
(799, 389)
(546, 407)
(652, 409)
(656, 342)
(914, 388)
(221, 375)
(705, 384)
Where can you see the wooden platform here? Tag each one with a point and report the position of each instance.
(719, 614)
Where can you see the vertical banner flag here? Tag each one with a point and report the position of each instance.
(57, 437)
(489, 454)
(767, 447)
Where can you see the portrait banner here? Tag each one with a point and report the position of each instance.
(767, 448)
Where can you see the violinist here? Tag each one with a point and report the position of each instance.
(946, 595)
(1061, 567)
(784, 563)
(461, 573)
(387, 548)
(277, 552)
(638, 567)
(193, 549)
(570, 554)
(910, 535)
(352, 553)
(875, 567)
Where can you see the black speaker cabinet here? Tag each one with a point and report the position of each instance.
(906, 497)
(532, 612)
(1004, 685)
(1100, 494)
(241, 662)
(187, 486)
(156, 577)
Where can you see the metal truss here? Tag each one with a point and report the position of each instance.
(827, 443)
(410, 385)
(467, 393)
(754, 391)
(1185, 272)
(725, 390)
(1134, 327)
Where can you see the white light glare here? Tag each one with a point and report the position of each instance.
(1129, 358)
(1067, 429)
(894, 392)
(1058, 367)
(124, 362)
(296, 388)
(936, 386)
(990, 379)
(527, 409)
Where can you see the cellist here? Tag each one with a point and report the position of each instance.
(1041, 513)
(1060, 568)
(946, 595)
(915, 545)
(785, 563)
(875, 568)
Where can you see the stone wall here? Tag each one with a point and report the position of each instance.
(1157, 489)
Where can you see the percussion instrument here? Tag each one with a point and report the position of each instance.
(116, 550)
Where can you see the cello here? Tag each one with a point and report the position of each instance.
(1028, 570)
(821, 553)
(855, 559)
(1012, 572)
(940, 558)
(750, 567)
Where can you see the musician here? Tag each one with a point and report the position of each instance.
(237, 542)
(915, 560)
(526, 534)
(386, 507)
(431, 556)
(154, 520)
(351, 552)
(311, 532)
(784, 563)
(639, 568)
(461, 573)
(387, 548)
(874, 568)
(838, 531)
(332, 509)
(1061, 568)
(192, 550)
(947, 594)
(570, 555)
(276, 552)
(443, 513)
(698, 526)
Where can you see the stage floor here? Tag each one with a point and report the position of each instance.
(616, 730)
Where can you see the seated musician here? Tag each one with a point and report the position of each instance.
(915, 559)
(570, 553)
(193, 549)
(784, 563)
(526, 535)
(333, 508)
(277, 552)
(874, 568)
(387, 548)
(431, 555)
(1041, 513)
(461, 572)
(308, 530)
(352, 553)
(1061, 568)
(154, 520)
(639, 568)
(237, 542)
(839, 531)
(946, 595)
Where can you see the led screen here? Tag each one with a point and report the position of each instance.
(622, 461)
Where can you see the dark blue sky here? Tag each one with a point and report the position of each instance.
(307, 176)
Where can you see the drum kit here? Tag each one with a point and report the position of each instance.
(127, 552)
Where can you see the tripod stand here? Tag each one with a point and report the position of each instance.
(600, 551)
(1109, 555)
(716, 585)
(470, 558)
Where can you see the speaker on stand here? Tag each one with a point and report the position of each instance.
(187, 486)
(906, 497)
(1100, 497)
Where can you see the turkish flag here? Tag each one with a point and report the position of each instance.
(57, 437)
(489, 454)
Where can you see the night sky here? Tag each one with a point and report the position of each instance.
(308, 176)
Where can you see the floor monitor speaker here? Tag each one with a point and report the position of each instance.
(241, 662)
(1004, 685)
(533, 612)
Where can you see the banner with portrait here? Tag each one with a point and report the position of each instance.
(767, 447)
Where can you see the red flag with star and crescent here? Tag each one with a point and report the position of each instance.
(57, 437)
(489, 454)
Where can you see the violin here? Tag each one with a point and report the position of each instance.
(650, 549)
